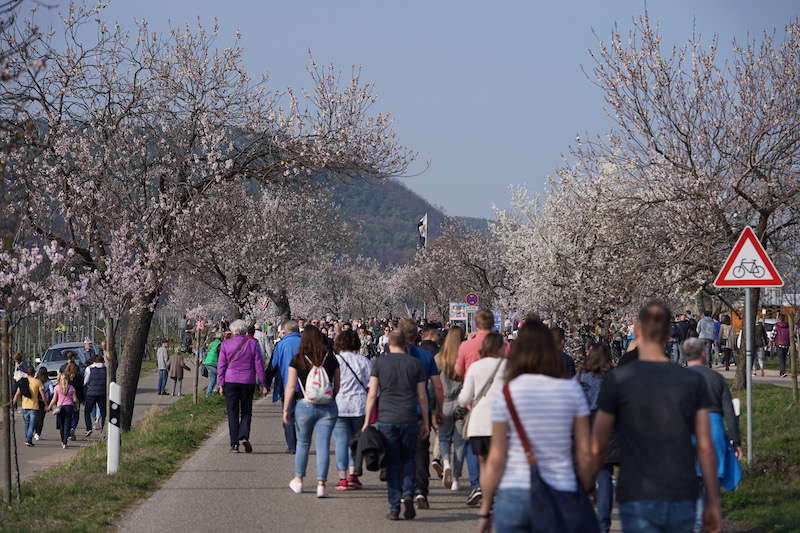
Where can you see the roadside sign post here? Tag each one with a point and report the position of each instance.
(748, 266)
(114, 413)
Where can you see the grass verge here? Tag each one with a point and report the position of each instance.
(78, 495)
(768, 495)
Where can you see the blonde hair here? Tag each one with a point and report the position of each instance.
(448, 355)
(63, 383)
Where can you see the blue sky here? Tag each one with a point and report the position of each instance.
(491, 93)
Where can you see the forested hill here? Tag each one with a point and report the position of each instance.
(386, 214)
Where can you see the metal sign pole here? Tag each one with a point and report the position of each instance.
(748, 335)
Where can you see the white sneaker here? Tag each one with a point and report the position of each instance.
(322, 492)
(454, 485)
(36, 436)
(63, 446)
(296, 486)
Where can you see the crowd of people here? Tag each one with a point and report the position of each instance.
(506, 415)
(79, 382)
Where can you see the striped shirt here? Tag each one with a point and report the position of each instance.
(547, 408)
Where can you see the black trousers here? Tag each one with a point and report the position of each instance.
(422, 466)
(239, 402)
(781, 352)
(91, 401)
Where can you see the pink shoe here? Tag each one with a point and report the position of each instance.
(322, 492)
(341, 485)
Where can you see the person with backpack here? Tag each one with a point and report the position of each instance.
(317, 372)
(31, 395)
(484, 378)
(238, 370)
(351, 402)
(401, 380)
(94, 382)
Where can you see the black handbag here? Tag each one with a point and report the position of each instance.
(553, 511)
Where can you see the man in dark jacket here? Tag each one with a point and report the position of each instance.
(94, 382)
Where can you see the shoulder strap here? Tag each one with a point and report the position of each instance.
(523, 437)
(238, 351)
(354, 374)
(488, 384)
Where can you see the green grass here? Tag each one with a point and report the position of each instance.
(769, 493)
(78, 495)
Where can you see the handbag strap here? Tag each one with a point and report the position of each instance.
(354, 374)
(523, 437)
(487, 385)
(238, 351)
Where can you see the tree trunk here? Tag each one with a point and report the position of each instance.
(281, 301)
(111, 361)
(5, 409)
(131, 364)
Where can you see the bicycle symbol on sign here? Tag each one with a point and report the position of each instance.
(751, 267)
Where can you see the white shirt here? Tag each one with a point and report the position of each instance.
(162, 358)
(261, 339)
(478, 374)
(547, 408)
(352, 397)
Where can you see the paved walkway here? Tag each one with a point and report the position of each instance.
(216, 490)
(770, 376)
(47, 452)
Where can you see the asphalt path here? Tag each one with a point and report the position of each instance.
(217, 491)
(47, 452)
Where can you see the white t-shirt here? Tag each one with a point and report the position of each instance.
(352, 397)
(547, 408)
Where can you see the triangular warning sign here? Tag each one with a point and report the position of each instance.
(748, 265)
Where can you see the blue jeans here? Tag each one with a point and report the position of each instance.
(310, 418)
(451, 443)
(162, 381)
(401, 450)
(605, 497)
(657, 516)
(512, 511)
(29, 418)
(343, 431)
(212, 379)
(289, 431)
(473, 466)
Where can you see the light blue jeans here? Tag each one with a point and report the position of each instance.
(657, 516)
(212, 379)
(308, 419)
(512, 511)
(451, 443)
(344, 430)
(29, 418)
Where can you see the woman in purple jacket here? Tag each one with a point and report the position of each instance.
(782, 342)
(239, 368)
